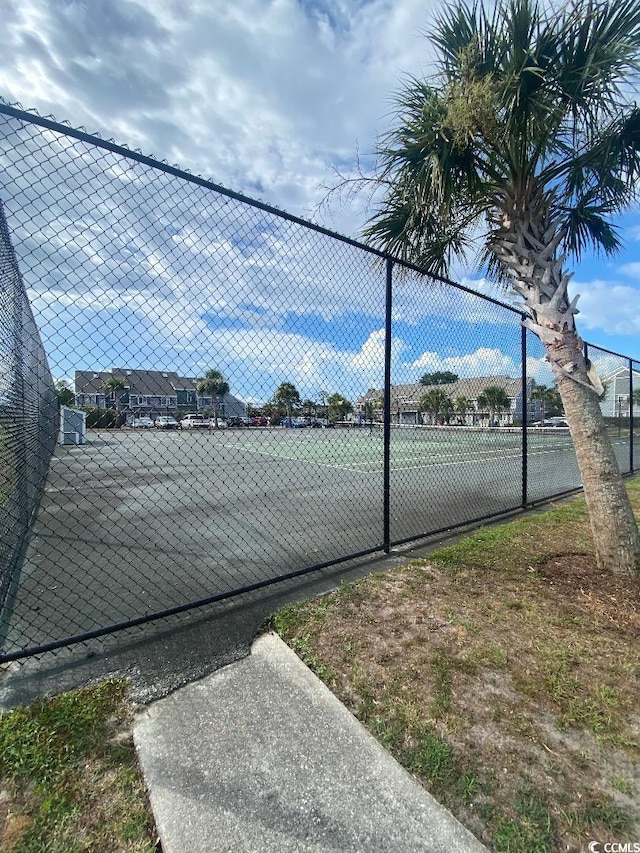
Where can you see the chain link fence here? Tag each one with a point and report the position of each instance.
(28, 413)
(621, 380)
(260, 397)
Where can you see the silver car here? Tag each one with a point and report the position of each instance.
(166, 422)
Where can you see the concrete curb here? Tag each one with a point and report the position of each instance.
(261, 756)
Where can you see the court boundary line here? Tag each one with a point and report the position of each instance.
(247, 449)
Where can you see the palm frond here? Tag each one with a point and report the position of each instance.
(533, 102)
(596, 44)
(587, 226)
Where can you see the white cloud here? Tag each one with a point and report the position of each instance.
(540, 370)
(610, 306)
(484, 361)
(260, 95)
(631, 270)
(255, 360)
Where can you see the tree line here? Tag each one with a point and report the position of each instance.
(287, 402)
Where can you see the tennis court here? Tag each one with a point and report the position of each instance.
(361, 449)
(139, 522)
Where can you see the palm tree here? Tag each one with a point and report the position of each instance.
(214, 385)
(462, 405)
(339, 407)
(287, 395)
(435, 403)
(115, 385)
(527, 144)
(494, 399)
(549, 400)
(369, 408)
(309, 408)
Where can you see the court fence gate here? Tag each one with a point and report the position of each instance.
(342, 402)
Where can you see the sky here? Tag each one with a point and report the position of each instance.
(267, 98)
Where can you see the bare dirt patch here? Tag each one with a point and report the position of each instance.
(502, 672)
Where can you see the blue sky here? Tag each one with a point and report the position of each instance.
(264, 97)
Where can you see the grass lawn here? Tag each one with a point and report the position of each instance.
(69, 777)
(503, 673)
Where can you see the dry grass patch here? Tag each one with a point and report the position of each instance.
(503, 672)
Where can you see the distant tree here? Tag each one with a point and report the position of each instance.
(286, 395)
(636, 397)
(100, 418)
(494, 399)
(462, 405)
(65, 395)
(440, 377)
(309, 407)
(115, 386)
(437, 404)
(214, 385)
(369, 409)
(339, 407)
(549, 399)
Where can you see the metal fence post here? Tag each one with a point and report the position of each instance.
(523, 349)
(386, 534)
(631, 416)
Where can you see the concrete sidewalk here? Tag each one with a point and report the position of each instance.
(261, 757)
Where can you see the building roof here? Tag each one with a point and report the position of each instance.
(139, 381)
(621, 372)
(471, 388)
(147, 382)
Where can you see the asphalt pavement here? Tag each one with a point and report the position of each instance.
(133, 524)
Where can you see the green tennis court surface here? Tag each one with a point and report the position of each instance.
(362, 451)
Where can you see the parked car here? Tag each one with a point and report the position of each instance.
(552, 423)
(236, 421)
(166, 422)
(142, 422)
(295, 423)
(260, 420)
(321, 423)
(194, 422)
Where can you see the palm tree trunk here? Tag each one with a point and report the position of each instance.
(527, 245)
(614, 529)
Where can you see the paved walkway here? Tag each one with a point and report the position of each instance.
(260, 757)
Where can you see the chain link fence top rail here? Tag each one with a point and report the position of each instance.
(291, 358)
